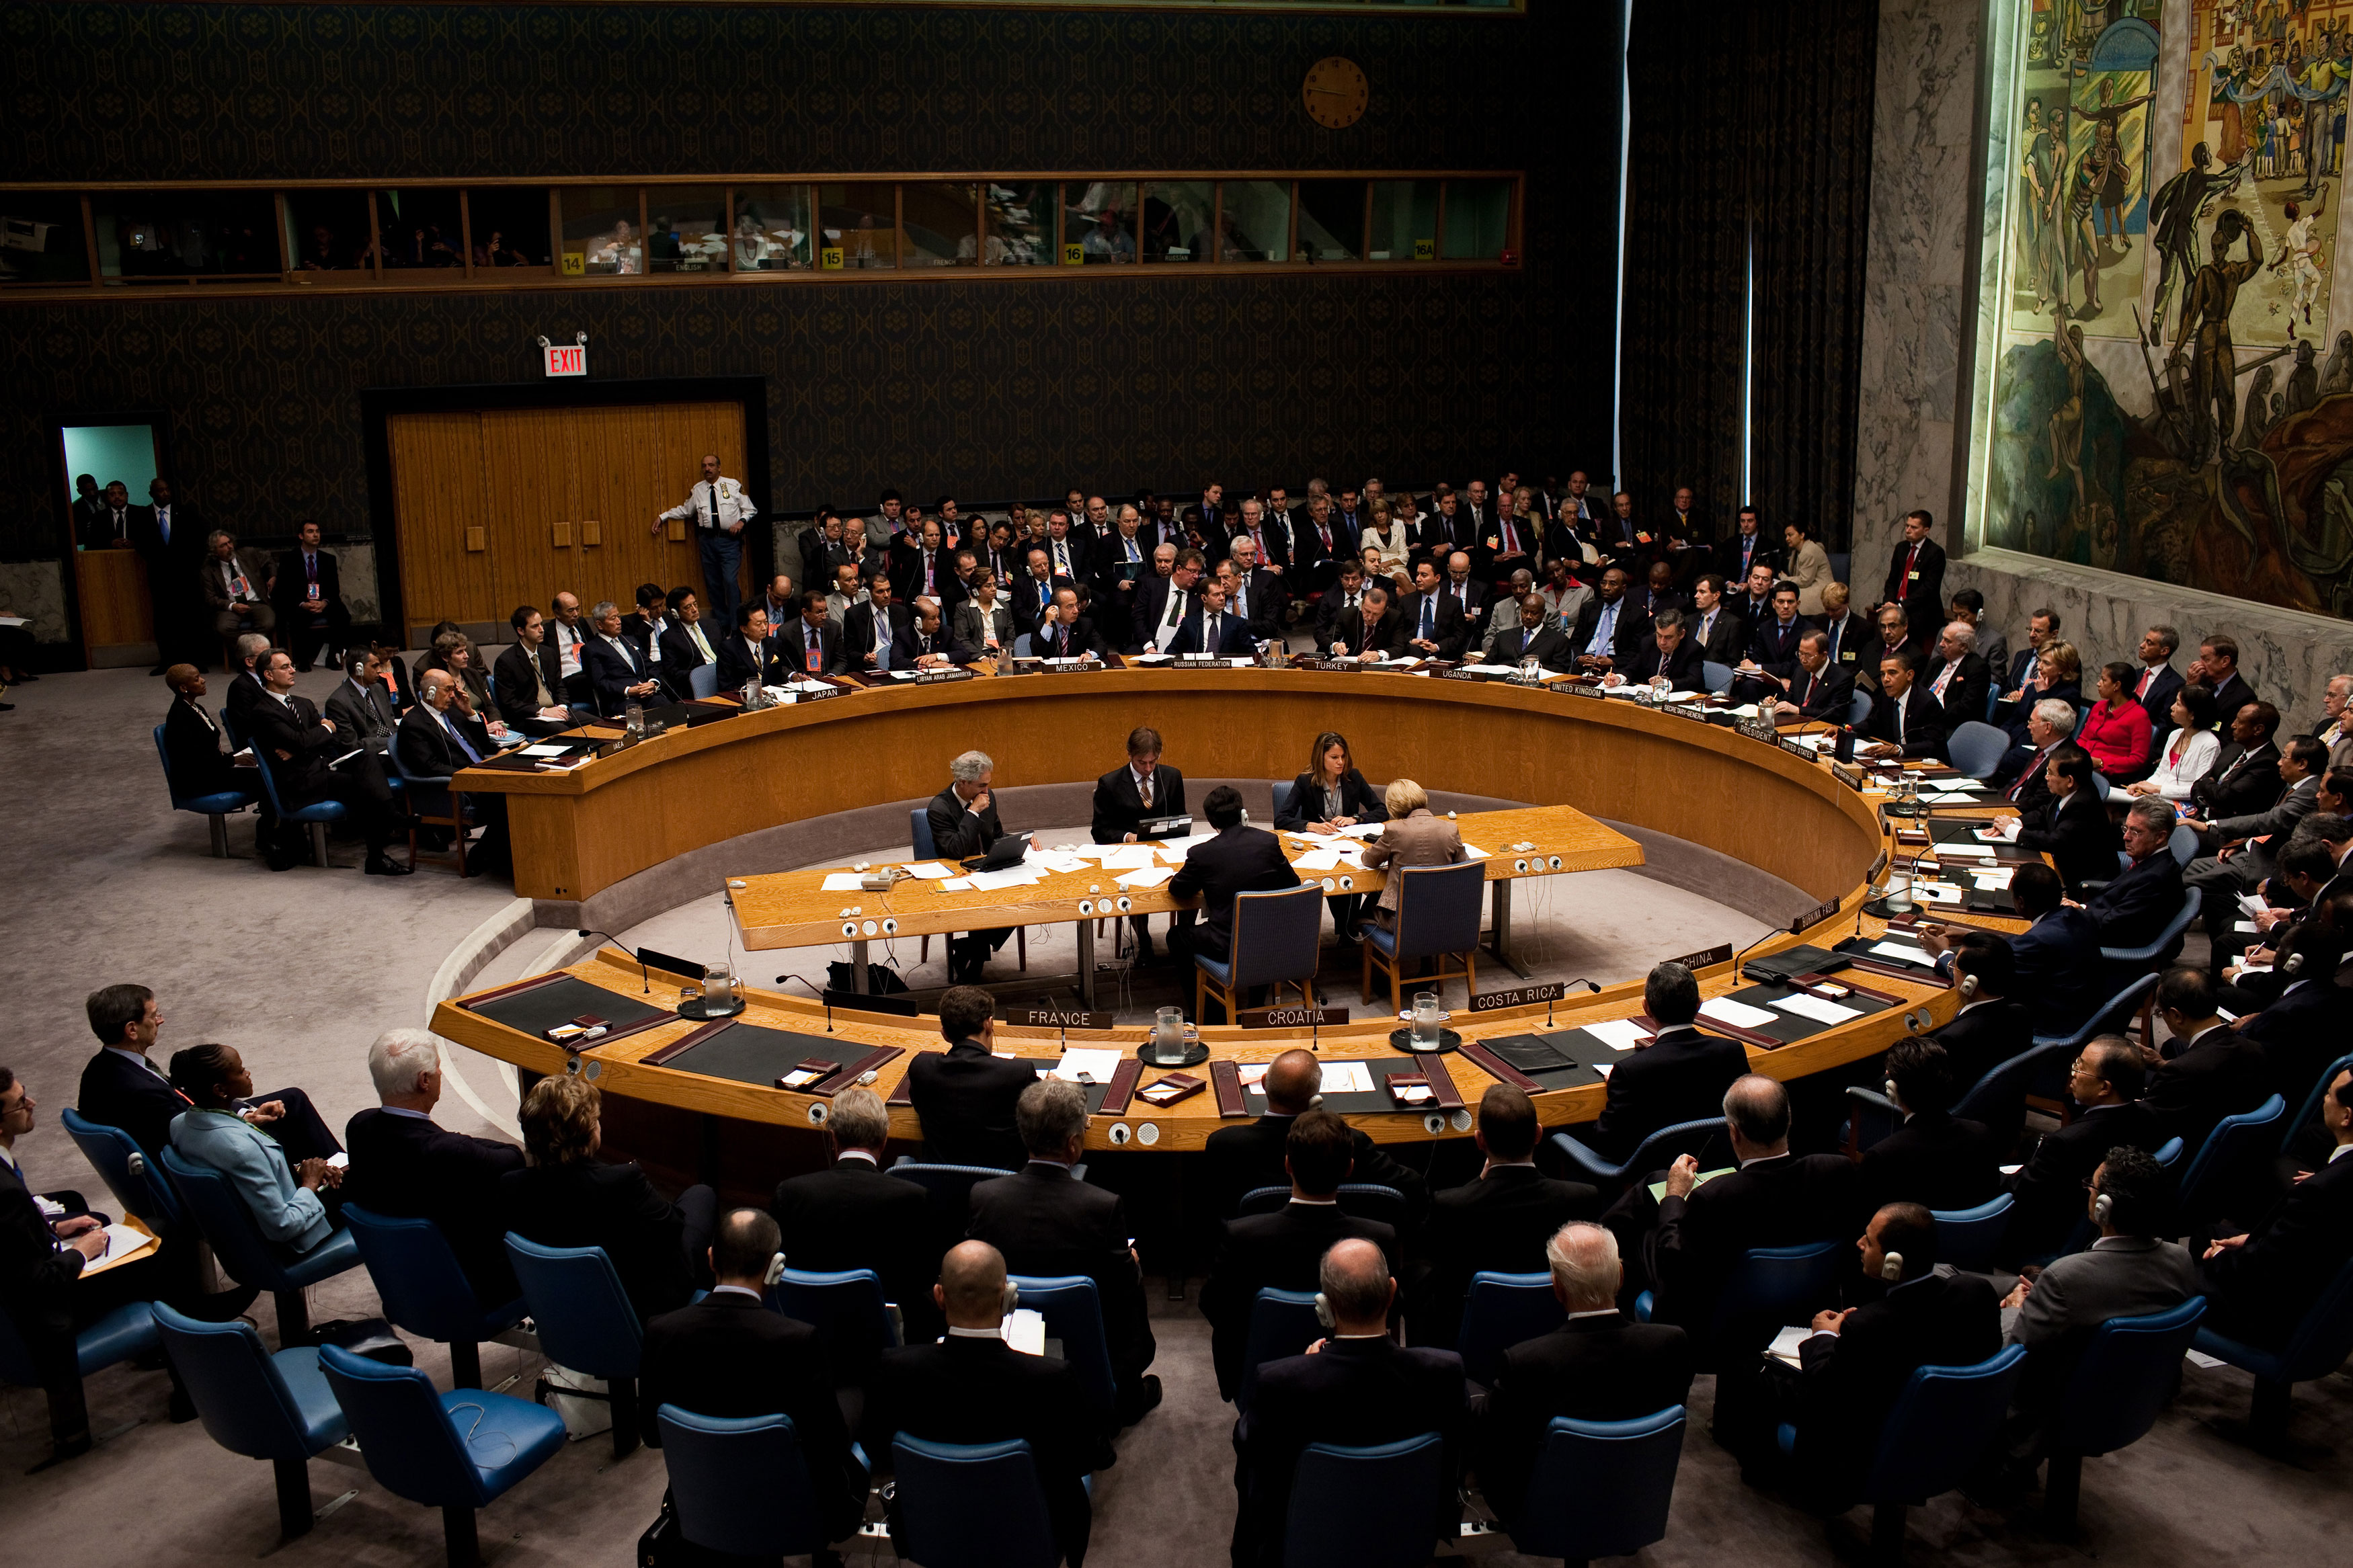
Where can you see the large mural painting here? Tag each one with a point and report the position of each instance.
(2165, 379)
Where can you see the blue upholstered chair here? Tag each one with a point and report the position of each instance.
(426, 1292)
(127, 1331)
(970, 1506)
(2236, 1143)
(1975, 749)
(1437, 918)
(926, 847)
(848, 1310)
(1970, 1238)
(251, 1257)
(586, 1322)
(1365, 1508)
(457, 1451)
(214, 808)
(262, 1405)
(1073, 1314)
(2125, 1376)
(1655, 1152)
(1502, 1310)
(1276, 938)
(1363, 1200)
(1600, 1488)
(315, 816)
(1282, 1323)
(703, 680)
(2323, 1338)
(741, 1485)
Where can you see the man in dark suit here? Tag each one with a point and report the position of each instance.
(877, 635)
(1717, 626)
(743, 653)
(619, 666)
(1992, 1026)
(169, 538)
(1123, 561)
(1320, 546)
(1958, 679)
(1067, 634)
(1747, 549)
(244, 678)
(529, 678)
(1163, 605)
(1211, 628)
(1915, 577)
(1435, 627)
(1048, 1224)
(964, 1096)
(2243, 850)
(1609, 628)
(1241, 1158)
(1854, 643)
(1240, 859)
(2071, 824)
(1680, 1075)
(2260, 1284)
(301, 751)
(192, 739)
(122, 1086)
(1373, 630)
(435, 740)
(1071, 552)
(1128, 797)
(1284, 1250)
(729, 1356)
(686, 642)
(2106, 1081)
(963, 822)
(2159, 682)
(1935, 1158)
(1813, 688)
(361, 706)
(2206, 1070)
(1905, 721)
(1599, 1366)
(807, 647)
(1774, 1199)
(972, 1387)
(42, 1291)
(2141, 900)
(1667, 651)
(1500, 1222)
(2058, 972)
(2299, 1034)
(1338, 600)
(1775, 638)
(1030, 591)
(1858, 1362)
(1534, 636)
(310, 598)
(2244, 778)
(2217, 665)
(926, 570)
(853, 1215)
(1357, 1386)
(401, 1164)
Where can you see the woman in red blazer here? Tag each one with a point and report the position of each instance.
(2116, 729)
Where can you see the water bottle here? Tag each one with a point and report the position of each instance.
(633, 720)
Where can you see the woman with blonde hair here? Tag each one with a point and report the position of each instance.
(1414, 836)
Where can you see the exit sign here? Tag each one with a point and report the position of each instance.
(569, 359)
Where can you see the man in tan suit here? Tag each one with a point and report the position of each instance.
(1413, 837)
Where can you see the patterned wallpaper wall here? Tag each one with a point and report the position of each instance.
(991, 388)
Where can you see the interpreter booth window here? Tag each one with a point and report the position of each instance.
(509, 227)
(686, 229)
(1180, 216)
(771, 228)
(1098, 222)
(176, 236)
(1477, 219)
(1332, 219)
(939, 224)
(858, 222)
(423, 233)
(602, 232)
(1020, 216)
(329, 238)
(1404, 221)
(1257, 221)
(41, 238)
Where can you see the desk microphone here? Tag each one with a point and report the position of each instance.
(1793, 928)
(617, 942)
(822, 996)
(1591, 985)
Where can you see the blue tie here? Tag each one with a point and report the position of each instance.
(459, 736)
(1427, 614)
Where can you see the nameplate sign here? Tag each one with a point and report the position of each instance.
(805, 694)
(1291, 1018)
(1876, 867)
(1335, 666)
(1820, 912)
(1461, 675)
(1848, 775)
(1720, 954)
(1577, 689)
(1758, 728)
(939, 676)
(1687, 711)
(1521, 996)
(1797, 748)
(1060, 1018)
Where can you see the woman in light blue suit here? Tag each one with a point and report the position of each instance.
(285, 1199)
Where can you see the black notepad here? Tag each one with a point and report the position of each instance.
(750, 1054)
(542, 1008)
(1564, 1058)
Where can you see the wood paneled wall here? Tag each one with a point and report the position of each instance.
(497, 508)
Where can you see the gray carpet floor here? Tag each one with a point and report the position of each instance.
(300, 969)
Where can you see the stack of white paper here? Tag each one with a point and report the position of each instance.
(1964, 852)
(843, 882)
(1150, 876)
(1817, 1008)
(1060, 861)
(1472, 852)
(1126, 857)
(930, 870)
(956, 885)
(1094, 1065)
(1785, 1344)
(1740, 1015)
(1619, 1034)
(1318, 860)
(1011, 877)
(1994, 877)
(1904, 952)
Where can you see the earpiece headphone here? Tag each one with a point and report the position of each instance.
(1892, 1269)
(1968, 986)
(1894, 1099)
(2103, 1207)
(1314, 1102)
(1012, 1297)
(1324, 1312)
(2291, 964)
(776, 1274)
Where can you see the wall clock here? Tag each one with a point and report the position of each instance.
(1336, 93)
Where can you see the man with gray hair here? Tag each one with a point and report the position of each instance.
(1358, 1386)
(619, 666)
(1599, 1366)
(2145, 896)
(853, 1215)
(1048, 1222)
(245, 688)
(2048, 727)
(2335, 730)
(1958, 679)
(963, 822)
(1503, 614)
(404, 1165)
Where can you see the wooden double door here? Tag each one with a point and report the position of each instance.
(497, 508)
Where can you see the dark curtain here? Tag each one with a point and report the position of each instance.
(1748, 124)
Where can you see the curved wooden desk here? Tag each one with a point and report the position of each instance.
(1699, 782)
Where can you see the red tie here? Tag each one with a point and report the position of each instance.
(2145, 676)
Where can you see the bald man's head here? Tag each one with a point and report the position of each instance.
(971, 1290)
(1292, 1083)
(1355, 1280)
(1757, 1108)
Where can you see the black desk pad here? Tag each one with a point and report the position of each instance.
(542, 1008)
(750, 1054)
(1373, 1100)
(1790, 1028)
(1944, 831)
(1564, 1058)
